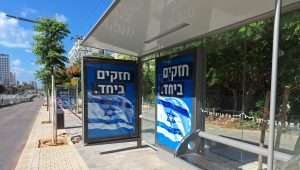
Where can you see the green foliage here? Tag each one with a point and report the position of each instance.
(148, 81)
(240, 60)
(2, 89)
(49, 48)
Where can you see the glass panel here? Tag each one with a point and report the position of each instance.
(287, 134)
(148, 131)
(218, 156)
(238, 87)
(148, 107)
(238, 82)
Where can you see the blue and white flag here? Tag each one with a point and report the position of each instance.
(173, 120)
(110, 113)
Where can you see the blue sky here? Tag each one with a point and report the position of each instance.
(16, 36)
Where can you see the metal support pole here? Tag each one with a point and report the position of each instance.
(48, 103)
(77, 105)
(276, 33)
(54, 133)
(139, 94)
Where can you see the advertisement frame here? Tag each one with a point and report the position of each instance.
(198, 99)
(61, 87)
(96, 60)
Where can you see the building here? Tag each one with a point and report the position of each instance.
(4, 70)
(12, 79)
(78, 51)
(33, 84)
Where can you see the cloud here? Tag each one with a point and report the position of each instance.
(12, 35)
(28, 50)
(23, 74)
(60, 18)
(16, 63)
(27, 11)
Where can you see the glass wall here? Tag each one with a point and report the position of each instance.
(238, 89)
(238, 79)
(287, 133)
(148, 106)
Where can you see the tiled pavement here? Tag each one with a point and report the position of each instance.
(78, 156)
(63, 157)
(103, 156)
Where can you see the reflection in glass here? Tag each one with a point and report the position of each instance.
(238, 85)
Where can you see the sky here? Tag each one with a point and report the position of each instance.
(16, 36)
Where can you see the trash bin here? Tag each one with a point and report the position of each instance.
(60, 119)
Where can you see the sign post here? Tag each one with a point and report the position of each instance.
(110, 100)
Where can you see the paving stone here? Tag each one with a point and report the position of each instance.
(53, 158)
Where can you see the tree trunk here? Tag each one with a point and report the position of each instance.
(47, 94)
(53, 102)
(263, 127)
(235, 99)
(283, 115)
(48, 103)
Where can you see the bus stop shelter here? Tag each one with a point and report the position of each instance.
(143, 27)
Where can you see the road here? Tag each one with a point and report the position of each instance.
(15, 125)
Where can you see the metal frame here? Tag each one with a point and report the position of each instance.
(277, 10)
(265, 15)
(86, 140)
(61, 87)
(269, 153)
(276, 36)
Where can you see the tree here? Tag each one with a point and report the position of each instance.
(48, 45)
(49, 49)
(2, 89)
(44, 75)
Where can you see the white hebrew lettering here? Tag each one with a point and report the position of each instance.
(165, 73)
(121, 90)
(174, 72)
(113, 76)
(126, 76)
(100, 74)
(180, 91)
(109, 89)
(101, 87)
(120, 75)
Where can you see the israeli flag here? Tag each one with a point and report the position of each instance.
(111, 112)
(173, 118)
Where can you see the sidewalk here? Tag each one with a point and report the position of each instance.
(76, 156)
(62, 157)
(119, 156)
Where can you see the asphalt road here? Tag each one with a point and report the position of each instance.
(15, 125)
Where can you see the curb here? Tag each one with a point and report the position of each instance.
(74, 148)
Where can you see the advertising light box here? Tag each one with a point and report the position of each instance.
(175, 88)
(110, 100)
(65, 97)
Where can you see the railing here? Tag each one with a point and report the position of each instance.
(6, 100)
(194, 138)
(244, 146)
(146, 118)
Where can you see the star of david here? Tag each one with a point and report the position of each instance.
(110, 112)
(171, 117)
